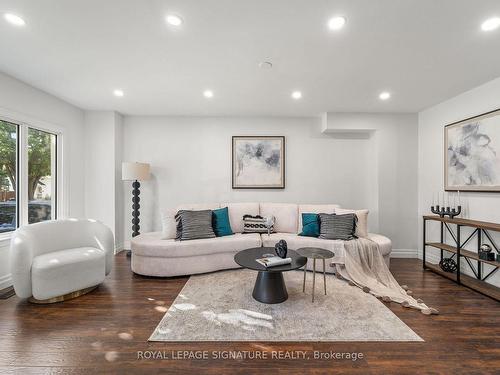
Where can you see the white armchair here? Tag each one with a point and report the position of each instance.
(60, 259)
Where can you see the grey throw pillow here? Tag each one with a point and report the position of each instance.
(193, 225)
(337, 227)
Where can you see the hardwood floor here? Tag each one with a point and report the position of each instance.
(103, 331)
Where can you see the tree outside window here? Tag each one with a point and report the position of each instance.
(41, 166)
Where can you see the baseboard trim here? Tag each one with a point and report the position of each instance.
(404, 253)
(119, 248)
(126, 245)
(5, 281)
(432, 258)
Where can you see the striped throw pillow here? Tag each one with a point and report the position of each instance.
(193, 225)
(337, 227)
(255, 224)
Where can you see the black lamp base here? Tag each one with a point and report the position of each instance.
(135, 208)
(135, 211)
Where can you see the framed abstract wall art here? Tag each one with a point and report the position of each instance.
(258, 162)
(472, 154)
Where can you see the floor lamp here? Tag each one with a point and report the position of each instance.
(136, 172)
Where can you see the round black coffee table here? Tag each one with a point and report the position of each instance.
(270, 285)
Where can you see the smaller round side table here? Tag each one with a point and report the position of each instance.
(315, 253)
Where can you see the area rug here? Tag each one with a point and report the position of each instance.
(220, 307)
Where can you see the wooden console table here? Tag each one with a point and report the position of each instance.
(480, 228)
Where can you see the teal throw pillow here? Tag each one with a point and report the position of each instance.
(220, 222)
(310, 225)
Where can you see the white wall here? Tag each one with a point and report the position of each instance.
(479, 206)
(393, 168)
(119, 209)
(100, 166)
(21, 102)
(191, 162)
(103, 157)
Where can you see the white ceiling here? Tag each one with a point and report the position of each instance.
(423, 51)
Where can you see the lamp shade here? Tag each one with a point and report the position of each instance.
(132, 171)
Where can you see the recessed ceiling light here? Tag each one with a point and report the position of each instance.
(265, 65)
(337, 22)
(118, 93)
(208, 94)
(296, 95)
(491, 24)
(174, 20)
(14, 20)
(384, 95)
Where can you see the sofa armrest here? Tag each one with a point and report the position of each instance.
(21, 258)
(384, 243)
(105, 241)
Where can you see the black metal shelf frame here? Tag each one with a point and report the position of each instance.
(459, 246)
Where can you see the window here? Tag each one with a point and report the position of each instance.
(8, 176)
(41, 172)
(28, 175)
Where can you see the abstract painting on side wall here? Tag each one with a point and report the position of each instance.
(472, 154)
(258, 162)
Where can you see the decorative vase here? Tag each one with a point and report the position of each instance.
(269, 222)
(281, 248)
(448, 265)
(485, 252)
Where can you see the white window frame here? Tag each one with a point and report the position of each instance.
(25, 122)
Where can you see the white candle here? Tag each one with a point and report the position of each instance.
(459, 197)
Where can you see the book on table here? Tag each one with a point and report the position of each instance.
(273, 261)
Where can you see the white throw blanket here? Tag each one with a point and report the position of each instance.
(361, 263)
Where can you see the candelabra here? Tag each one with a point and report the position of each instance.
(442, 211)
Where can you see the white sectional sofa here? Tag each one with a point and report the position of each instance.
(155, 255)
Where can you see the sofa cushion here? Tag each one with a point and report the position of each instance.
(310, 225)
(237, 211)
(362, 224)
(61, 272)
(193, 225)
(337, 227)
(285, 214)
(256, 224)
(168, 224)
(220, 222)
(151, 244)
(314, 209)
